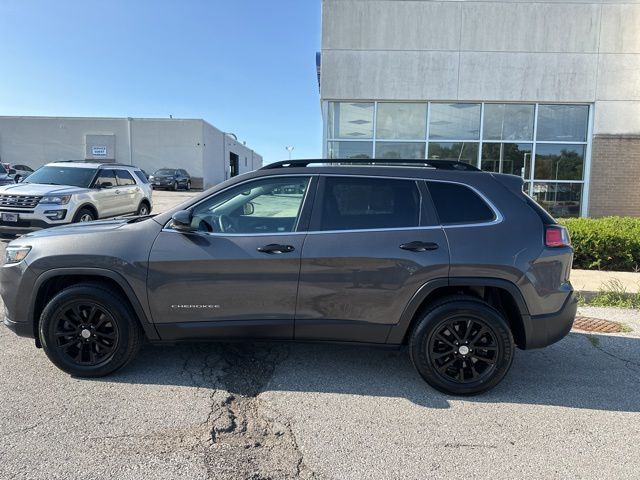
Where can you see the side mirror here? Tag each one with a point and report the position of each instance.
(248, 208)
(181, 221)
(105, 185)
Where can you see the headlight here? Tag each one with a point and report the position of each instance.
(57, 199)
(16, 254)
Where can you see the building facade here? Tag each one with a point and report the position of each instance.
(208, 154)
(549, 91)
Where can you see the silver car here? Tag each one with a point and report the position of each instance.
(67, 192)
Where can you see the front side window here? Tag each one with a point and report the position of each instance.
(369, 203)
(270, 205)
(106, 179)
(458, 204)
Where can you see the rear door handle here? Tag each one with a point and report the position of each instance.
(276, 248)
(419, 246)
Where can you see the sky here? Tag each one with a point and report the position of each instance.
(245, 66)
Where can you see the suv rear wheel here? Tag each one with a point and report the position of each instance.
(143, 209)
(89, 331)
(462, 346)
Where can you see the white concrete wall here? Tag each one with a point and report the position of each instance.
(218, 145)
(554, 51)
(192, 144)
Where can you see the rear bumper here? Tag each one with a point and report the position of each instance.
(543, 330)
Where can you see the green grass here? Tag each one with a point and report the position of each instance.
(613, 294)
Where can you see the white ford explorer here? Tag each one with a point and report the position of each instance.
(73, 191)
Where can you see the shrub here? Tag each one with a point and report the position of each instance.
(610, 243)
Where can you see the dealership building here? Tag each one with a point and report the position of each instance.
(549, 91)
(208, 154)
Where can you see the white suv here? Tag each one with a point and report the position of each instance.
(69, 192)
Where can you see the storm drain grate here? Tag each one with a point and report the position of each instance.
(589, 324)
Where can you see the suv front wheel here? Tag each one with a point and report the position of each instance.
(89, 331)
(462, 346)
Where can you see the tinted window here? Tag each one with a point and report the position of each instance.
(105, 177)
(368, 203)
(140, 174)
(76, 176)
(124, 178)
(456, 203)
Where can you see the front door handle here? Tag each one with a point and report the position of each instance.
(276, 248)
(419, 246)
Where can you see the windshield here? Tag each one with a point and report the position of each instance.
(74, 176)
(165, 171)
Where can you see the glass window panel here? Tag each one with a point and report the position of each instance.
(508, 121)
(350, 120)
(563, 123)
(458, 204)
(369, 203)
(512, 158)
(454, 121)
(400, 150)
(346, 150)
(269, 205)
(401, 121)
(559, 162)
(559, 199)
(461, 151)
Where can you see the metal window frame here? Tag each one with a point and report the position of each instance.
(585, 181)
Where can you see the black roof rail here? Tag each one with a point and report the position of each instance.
(437, 164)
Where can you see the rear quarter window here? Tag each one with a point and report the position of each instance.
(459, 204)
(141, 176)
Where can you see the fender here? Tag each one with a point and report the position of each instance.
(398, 331)
(147, 326)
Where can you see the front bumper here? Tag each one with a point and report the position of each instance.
(34, 219)
(22, 329)
(543, 330)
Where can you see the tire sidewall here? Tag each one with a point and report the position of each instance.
(428, 325)
(82, 211)
(104, 299)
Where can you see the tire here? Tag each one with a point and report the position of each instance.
(17, 178)
(100, 341)
(438, 350)
(143, 209)
(84, 215)
(188, 186)
(175, 186)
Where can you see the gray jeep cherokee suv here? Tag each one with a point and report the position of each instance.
(457, 263)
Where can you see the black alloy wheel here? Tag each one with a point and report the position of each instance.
(463, 349)
(461, 345)
(89, 330)
(85, 333)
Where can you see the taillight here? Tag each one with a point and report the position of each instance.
(556, 236)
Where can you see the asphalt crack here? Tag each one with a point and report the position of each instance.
(248, 439)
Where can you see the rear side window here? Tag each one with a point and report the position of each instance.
(141, 176)
(124, 178)
(457, 204)
(369, 203)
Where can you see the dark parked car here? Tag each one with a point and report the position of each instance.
(458, 264)
(171, 178)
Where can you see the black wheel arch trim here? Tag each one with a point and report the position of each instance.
(148, 327)
(88, 205)
(398, 331)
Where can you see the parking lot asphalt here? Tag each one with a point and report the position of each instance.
(227, 411)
